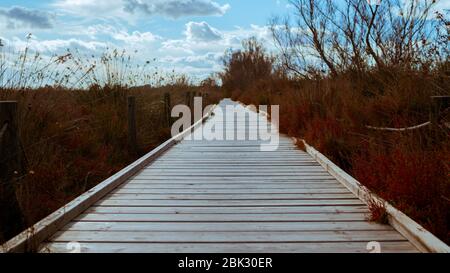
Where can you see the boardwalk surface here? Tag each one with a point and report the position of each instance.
(229, 196)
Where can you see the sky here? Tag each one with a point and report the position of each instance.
(188, 36)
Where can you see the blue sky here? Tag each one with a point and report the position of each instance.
(189, 36)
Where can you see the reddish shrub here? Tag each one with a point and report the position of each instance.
(414, 181)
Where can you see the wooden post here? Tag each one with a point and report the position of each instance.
(438, 105)
(200, 94)
(11, 166)
(188, 99)
(167, 109)
(132, 139)
(193, 107)
(194, 95)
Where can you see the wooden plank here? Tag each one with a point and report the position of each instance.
(232, 180)
(226, 237)
(240, 157)
(156, 185)
(198, 167)
(240, 174)
(309, 179)
(285, 144)
(221, 179)
(205, 164)
(254, 159)
(273, 196)
(232, 149)
(316, 247)
(237, 177)
(224, 227)
(235, 166)
(255, 191)
(235, 172)
(254, 153)
(236, 161)
(228, 210)
(224, 203)
(308, 217)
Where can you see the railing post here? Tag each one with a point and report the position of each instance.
(132, 139)
(11, 166)
(438, 105)
(188, 99)
(194, 95)
(167, 109)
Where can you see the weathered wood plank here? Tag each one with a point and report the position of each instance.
(237, 178)
(308, 217)
(273, 196)
(228, 210)
(224, 227)
(226, 237)
(230, 180)
(225, 203)
(254, 191)
(233, 173)
(158, 184)
(316, 247)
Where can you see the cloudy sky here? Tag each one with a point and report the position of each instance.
(189, 36)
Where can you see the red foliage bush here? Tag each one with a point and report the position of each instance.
(416, 182)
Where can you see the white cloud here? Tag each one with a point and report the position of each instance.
(135, 37)
(123, 8)
(208, 60)
(201, 38)
(176, 8)
(202, 57)
(97, 8)
(201, 32)
(110, 32)
(20, 17)
(56, 46)
(262, 33)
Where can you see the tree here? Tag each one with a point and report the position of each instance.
(247, 66)
(332, 37)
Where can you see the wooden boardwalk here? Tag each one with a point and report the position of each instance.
(228, 196)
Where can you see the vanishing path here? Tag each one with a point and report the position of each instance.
(228, 196)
